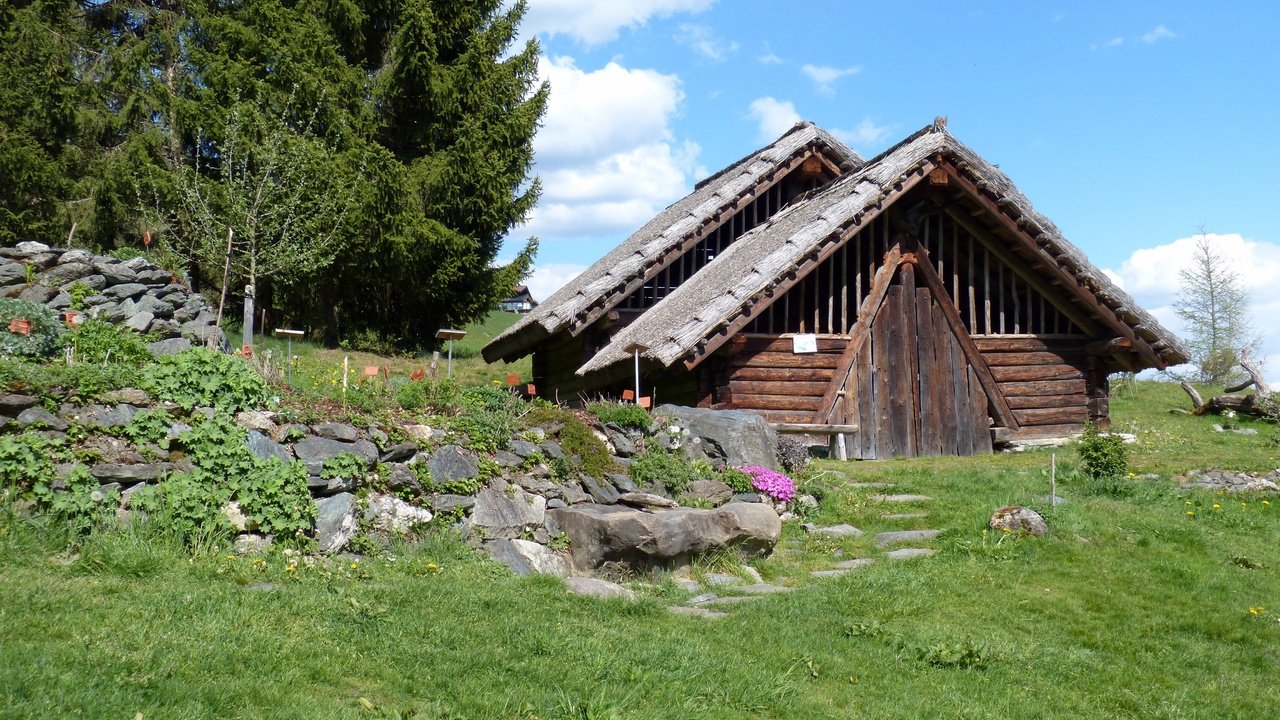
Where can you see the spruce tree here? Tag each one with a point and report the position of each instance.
(1215, 307)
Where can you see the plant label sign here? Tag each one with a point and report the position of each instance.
(804, 343)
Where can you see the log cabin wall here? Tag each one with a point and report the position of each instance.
(761, 373)
(1047, 380)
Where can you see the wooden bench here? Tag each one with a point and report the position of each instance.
(836, 434)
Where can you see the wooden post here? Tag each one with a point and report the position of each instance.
(247, 339)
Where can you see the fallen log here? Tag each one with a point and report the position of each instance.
(1257, 404)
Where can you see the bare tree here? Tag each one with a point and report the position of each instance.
(1215, 307)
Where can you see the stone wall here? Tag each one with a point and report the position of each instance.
(137, 293)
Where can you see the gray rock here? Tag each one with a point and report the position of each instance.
(261, 420)
(524, 449)
(896, 537)
(315, 450)
(130, 474)
(83, 257)
(721, 579)
(735, 437)
(764, 589)
(31, 247)
(158, 308)
(901, 498)
(596, 588)
(125, 291)
(402, 477)
(573, 494)
(335, 522)
(451, 463)
(1232, 481)
(646, 500)
(139, 321)
(95, 282)
(235, 516)
(387, 514)
(907, 516)
(251, 544)
(61, 301)
(505, 511)
(703, 598)
(855, 563)
(264, 447)
(128, 396)
(601, 492)
(909, 553)
(524, 558)
(551, 450)
(337, 431)
(155, 277)
(507, 459)
(366, 450)
(12, 273)
(102, 416)
(39, 294)
(41, 418)
(698, 612)
(712, 491)
(835, 531)
(69, 272)
(11, 404)
(399, 453)
(623, 482)
(1018, 519)
(324, 487)
(623, 445)
(747, 497)
(612, 533)
(537, 485)
(115, 273)
(553, 503)
(445, 503)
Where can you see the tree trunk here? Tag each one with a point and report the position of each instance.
(1255, 404)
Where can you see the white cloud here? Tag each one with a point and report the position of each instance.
(1150, 275)
(774, 116)
(606, 154)
(824, 76)
(703, 41)
(593, 22)
(546, 279)
(865, 134)
(769, 57)
(1159, 33)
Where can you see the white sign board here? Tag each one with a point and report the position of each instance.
(804, 344)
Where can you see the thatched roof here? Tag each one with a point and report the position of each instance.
(630, 261)
(740, 277)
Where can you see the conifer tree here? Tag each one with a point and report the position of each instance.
(1215, 307)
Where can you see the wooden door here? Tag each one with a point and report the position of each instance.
(913, 390)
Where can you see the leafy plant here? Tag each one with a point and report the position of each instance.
(149, 426)
(275, 498)
(78, 292)
(42, 338)
(958, 654)
(792, 454)
(97, 341)
(80, 503)
(577, 439)
(489, 416)
(434, 397)
(1102, 456)
(26, 461)
(344, 466)
(658, 467)
(627, 415)
(202, 377)
(737, 480)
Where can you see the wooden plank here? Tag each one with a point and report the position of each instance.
(858, 335)
(775, 402)
(1053, 416)
(761, 343)
(776, 374)
(1029, 358)
(902, 420)
(910, 331)
(756, 387)
(943, 347)
(782, 416)
(961, 396)
(1043, 387)
(882, 360)
(927, 382)
(1038, 402)
(1024, 373)
(1029, 343)
(1036, 432)
(790, 360)
(865, 397)
(974, 358)
(980, 424)
(814, 429)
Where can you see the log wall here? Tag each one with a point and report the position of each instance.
(760, 373)
(1046, 379)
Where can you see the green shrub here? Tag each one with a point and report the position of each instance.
(344, 466)
(81, 504)
(434, 397)
(1102, 456)
(737, 480)
(489, 417)
(78, 292)
(149, 426)
(627, 415)
(45, 328)
(26, 461)
(97, 341)
(658, 466)
(275, 498)
(577, 439)
(202, 377)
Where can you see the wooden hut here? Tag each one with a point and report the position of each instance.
(917, 295)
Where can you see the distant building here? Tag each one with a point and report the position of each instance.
(519, 302)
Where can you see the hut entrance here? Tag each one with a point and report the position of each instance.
(916, 383)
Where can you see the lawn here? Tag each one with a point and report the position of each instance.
(1144, 602)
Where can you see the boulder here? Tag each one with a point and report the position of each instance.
(387, 514)
(315, 450)
(612, 533)
(712, 491)
(732, 437)
(1018, 519)
(335, 522)
(402, 477)
(12, 273)
(451, 463)
(505, 511)
(11, 404)
(139, 321)
(398, 453)
(115, 273)
(337, 431)
(523, 557)
(264, 447)
(157, 307)
(41, 418)
(69, 272)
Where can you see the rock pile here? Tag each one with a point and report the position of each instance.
(1234, 481)
(134, 293)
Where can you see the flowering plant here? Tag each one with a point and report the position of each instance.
(771, 483)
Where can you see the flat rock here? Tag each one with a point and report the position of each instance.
(870, 485)
(643, 500)
(885, 539)
(703, 598)
(264, 447)
(712, 491)
(398, 453)
(262, 420)
(763, 589)
(613, 533)
(445, 503)
(504, 511)
(315, 450)
(601, 492)
(835, 572)
(854, 563)
(452, 463)
(337, 431)
(169, 346)
(573, 493)
(836, 531)
(697, 612)
(734, 600)
(909, 553)
(129, 474)
(524, 449)
(102, 416)
(523, 557)
(722, 579)
(387, 514)
(128, 396)
(40, 417)
(125, 291)
(622, 482)
(335, 522)
(596, 588)
(904, 516)
(901, 498)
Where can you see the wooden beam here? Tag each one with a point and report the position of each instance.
(1069, 281)
(814, 429)
(1108, 347)
(858, 336)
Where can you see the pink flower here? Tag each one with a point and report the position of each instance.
(771, 483)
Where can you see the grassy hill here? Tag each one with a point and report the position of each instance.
(1145, 601)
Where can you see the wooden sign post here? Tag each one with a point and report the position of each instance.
(450, 335)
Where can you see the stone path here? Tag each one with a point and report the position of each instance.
(745, 589)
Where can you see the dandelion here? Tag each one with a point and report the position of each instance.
(355, 565)
(1191, 513)
(1255, 611)
(1217, 506)
(231, 557)
(1266, 503)
(1188, 503)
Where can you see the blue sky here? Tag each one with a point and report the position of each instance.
(1130, 125)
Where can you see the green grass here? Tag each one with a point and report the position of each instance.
(1131, 608)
